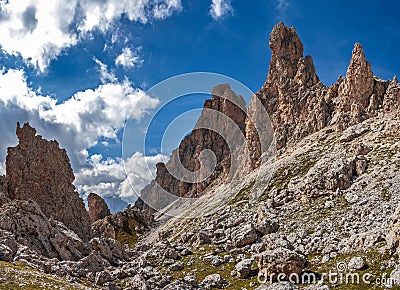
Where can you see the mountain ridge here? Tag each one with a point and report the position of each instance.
(328, 195)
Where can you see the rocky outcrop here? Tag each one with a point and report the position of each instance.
(123, 226)
(38, 170)
(98, 208)
(360, 94)
(298, 104)
(393, 233)
(3, 194)
(292, 93)
(25, 222)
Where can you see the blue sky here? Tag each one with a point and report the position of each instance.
(73, 68)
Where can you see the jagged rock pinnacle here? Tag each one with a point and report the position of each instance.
(287, 61)
(38, 170)
(359, 81)
(285, 45)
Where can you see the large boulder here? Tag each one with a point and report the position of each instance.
(280, 261)
(244, 235)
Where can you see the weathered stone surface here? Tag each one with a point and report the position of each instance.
(178, 266)
(201, 238)
(213, 281)
(103, 229)
(109, 249)
(299, 104)
(8, 246)
(393, 234)
(98, 208)
(31, 228)
(37, 169)
(103, 277)
(243, 268)
(280, 261)
(356, 263)
(244, 235)
(291, 93)
(123, 226)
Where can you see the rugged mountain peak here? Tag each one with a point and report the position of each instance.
(287, 60)
(98, 208)
(299, 104)
(38, 170)
(286, 48)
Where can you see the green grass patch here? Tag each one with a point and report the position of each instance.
(243, 194)
(127, 234)
(20, 276)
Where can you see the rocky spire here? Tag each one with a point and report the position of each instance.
(287, 61)
(98, 208)
(358, 85)
(290, 91)
(286, 48)
(38, 170)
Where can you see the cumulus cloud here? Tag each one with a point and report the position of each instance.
(128, 59)
(220, 8)
(111, 177)
(140, 171)
(39, 30)
(100, 176)
(79, 122)
(105, 74)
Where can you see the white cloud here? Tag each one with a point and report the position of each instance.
(39, 30)
(100, 176)
(109, 177)
(128, 59)
(281, 7)
(141, 171)
(79, 122)
(2, 168)
(105, 74)
(220, 8)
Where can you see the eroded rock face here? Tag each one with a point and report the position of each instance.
(123, 226)
(299, 104)
(393, 234)
(292, 91)
(38, 170)
(220, 129)
(98, 208)
(28, 226)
